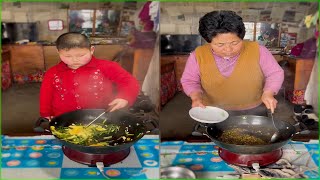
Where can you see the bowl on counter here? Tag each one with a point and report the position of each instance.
(176, 172)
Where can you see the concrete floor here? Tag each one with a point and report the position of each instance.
(20, 110)
(176, 124)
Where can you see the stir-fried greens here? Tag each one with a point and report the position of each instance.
(94, 135)
(240, 137)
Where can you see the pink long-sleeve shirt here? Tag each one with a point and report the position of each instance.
(271, 70)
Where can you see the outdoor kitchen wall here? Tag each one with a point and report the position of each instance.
(41, 12)
(183, 17)
(106, 47)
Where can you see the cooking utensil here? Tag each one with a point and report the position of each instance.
(257, 126)
(95, 119)
(176, 172)
(277, 134)
(135, 125)
(99, 116)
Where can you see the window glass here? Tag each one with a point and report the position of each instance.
(249, 31)
(107, 22)
(81, 21)
(267, 34)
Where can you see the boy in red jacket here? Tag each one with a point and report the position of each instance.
(81, 81)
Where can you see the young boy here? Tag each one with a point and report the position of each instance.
(81, 81)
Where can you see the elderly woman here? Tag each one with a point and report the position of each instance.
(229, 72)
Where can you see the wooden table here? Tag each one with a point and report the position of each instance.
(301, 68)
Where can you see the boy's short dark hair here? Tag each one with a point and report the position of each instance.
(220, 22)
(72, 40)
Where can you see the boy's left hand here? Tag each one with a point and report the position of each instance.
(117, 104)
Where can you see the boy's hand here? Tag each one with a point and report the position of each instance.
(49, 117)
(117, 104)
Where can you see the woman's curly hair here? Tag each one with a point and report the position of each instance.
(220, 22)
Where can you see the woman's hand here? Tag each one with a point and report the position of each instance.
(117, 104)
(196, 98)
(268, 99)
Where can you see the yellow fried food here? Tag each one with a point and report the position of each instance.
(80, 134)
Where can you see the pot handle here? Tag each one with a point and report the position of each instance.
(269, 113)
(199, 130)
(39, 125)
(154, 123)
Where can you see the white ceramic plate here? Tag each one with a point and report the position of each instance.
(209, 114)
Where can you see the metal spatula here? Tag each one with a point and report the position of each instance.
(95, 119)
(107, 110)
(277, 134)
